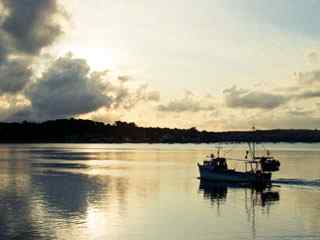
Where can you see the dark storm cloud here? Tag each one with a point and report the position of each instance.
(186, 104)
(240, 98)
(30, 24)
(26, 26)
(14, 76)
(6, 46)
(69, 88)
(3, 53)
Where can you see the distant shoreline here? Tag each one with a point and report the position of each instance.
(86, 131)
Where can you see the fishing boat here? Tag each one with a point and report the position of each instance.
(258, 170)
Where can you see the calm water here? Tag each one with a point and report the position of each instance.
(102, 191)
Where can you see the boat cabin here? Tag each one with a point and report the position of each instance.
(217, 163)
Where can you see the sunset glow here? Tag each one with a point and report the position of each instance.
(207, 62)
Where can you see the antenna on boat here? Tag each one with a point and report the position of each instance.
(219, 149)
(268, 152)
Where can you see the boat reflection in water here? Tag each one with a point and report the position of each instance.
(251, 197)
(259, 195)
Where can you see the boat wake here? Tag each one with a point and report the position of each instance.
(298, 182)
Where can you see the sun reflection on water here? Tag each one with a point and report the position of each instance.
(99, 191)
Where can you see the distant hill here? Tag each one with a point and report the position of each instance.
(86, 131)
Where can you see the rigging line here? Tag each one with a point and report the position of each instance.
(264, 147)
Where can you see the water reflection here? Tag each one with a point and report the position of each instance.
(253, 197)
(217, 193)
(93, 192)
(68, 193)
(16, 208)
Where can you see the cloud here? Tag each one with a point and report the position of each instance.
(309, 94)
(313, 57)
(311, 77)
(10, 104)
(69, 88)
(6, 45)
(296, 118)
(306, 86)
(104, 115)
(153, 96)
(14, 76)
(241, 98)
(31, 24)
(291, 120)
(299, 112)
(126, 98)
(26, 27)
(186, 104)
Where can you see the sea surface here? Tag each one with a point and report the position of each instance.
(151, 191)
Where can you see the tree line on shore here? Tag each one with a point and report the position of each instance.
(87, 131)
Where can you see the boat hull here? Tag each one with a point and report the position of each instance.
(232, 176)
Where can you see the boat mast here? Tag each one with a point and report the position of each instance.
(252, 149)
(253, 144)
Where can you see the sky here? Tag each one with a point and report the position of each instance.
(210, 64)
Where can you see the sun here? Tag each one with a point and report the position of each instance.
(98, 59)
